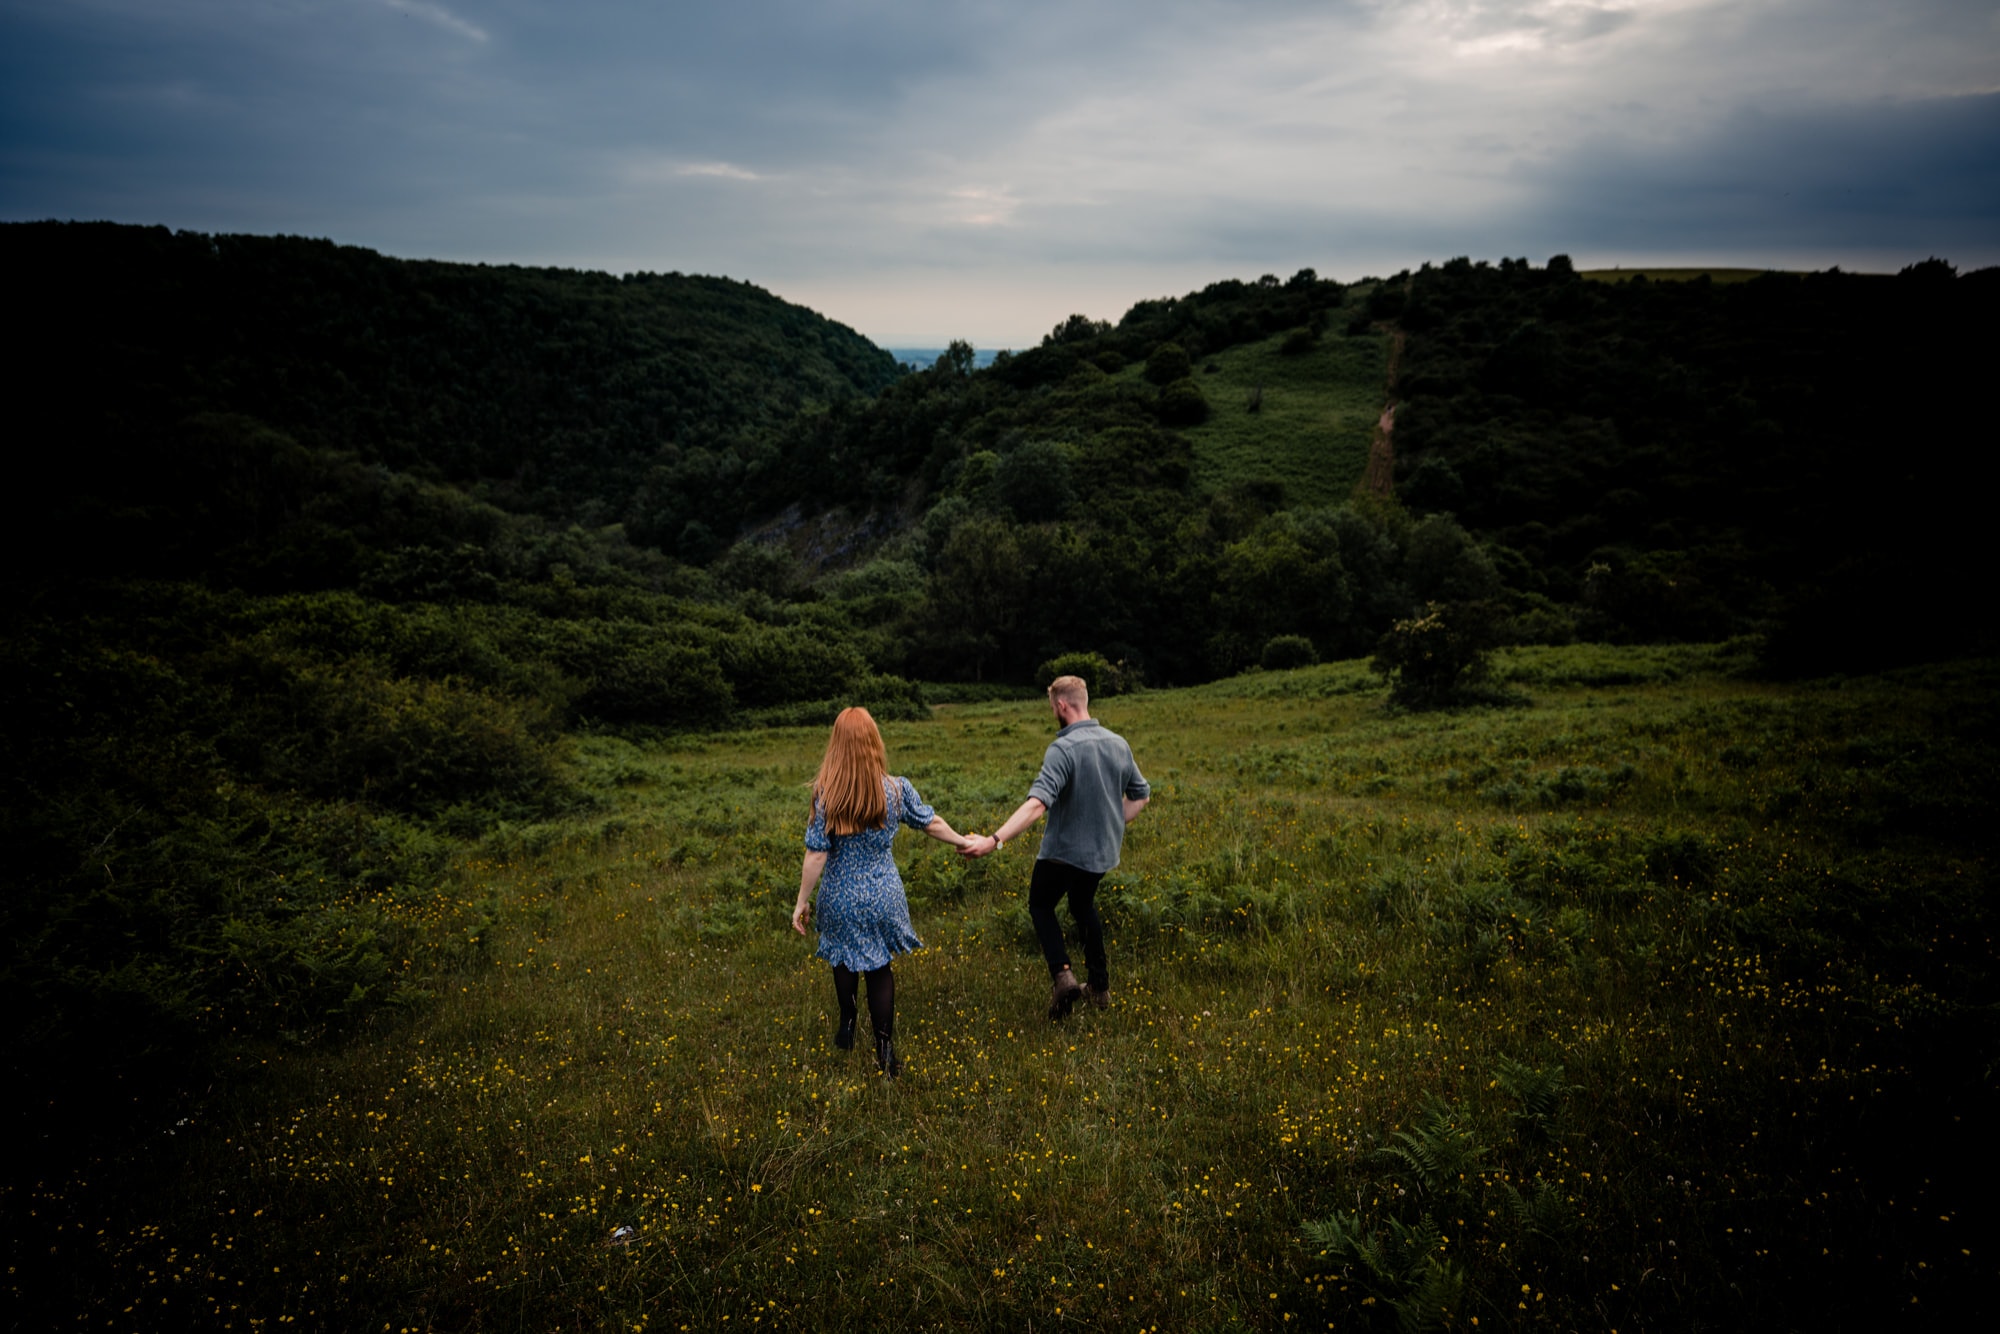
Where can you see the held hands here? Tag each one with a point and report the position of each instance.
(978, 845)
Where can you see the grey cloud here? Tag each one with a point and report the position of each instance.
(885, 145)
(1916, 176)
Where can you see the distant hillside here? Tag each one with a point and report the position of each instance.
(1729, 453)
(647, 400)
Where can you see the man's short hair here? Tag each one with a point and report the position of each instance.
(1072, 690)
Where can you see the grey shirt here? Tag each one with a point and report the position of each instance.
(1085, 775)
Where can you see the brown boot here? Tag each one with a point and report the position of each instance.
(1099, 997)
(1063, 998)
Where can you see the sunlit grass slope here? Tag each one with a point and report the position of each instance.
(1653, 1002)
(1312, 431)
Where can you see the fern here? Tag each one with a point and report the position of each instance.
(1540, 1210)
(1396, 1262)
(1439, 1154)
(1540, 1093)
(1430, 1304)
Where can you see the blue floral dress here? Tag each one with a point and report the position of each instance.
(863, 918)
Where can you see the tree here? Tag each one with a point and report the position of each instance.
(1034, 481)
(1284, 578)
(1431, 659)
(1167, 363)
(1100, 676)
(979, 593)
(956, 360)
(1077, 329)
(1183, 404)
(1284, 652)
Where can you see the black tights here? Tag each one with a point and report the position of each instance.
(881, 996)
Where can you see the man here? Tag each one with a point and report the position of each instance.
(1090, 788)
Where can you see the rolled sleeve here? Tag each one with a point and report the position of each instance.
(1051, 782)
(1136, 786)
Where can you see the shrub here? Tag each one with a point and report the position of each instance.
(775, 665)
(1167, 363)
(1431, 659)
(411, 745)
(1298, 342)
(659, 684)
(1183, 404)
(1284, 652)
(887, 698)
(1102, 676)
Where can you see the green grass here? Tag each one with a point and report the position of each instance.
(1312, 432)
(1661, 1000)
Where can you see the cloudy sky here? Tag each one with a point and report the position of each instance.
(969, 168)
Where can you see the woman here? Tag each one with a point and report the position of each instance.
(864, 920)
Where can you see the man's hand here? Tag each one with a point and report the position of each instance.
(978, 845)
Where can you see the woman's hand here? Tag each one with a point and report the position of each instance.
(809, 873)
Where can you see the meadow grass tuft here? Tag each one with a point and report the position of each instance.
(1643, 1004)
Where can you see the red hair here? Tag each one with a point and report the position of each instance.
(848, 787)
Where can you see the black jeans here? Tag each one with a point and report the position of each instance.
(1052, 880)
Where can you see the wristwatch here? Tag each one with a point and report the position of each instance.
(998, 843)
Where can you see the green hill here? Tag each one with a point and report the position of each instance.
(646, 400)
(1632, 461)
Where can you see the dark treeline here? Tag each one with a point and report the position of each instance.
(328, 554)
(1689, 460)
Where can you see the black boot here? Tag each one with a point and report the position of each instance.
(846, 982)
(882, 1018)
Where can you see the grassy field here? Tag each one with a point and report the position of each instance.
(1660, 999)
(1311, 432)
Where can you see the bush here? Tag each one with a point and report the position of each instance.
(1298, 342)
(1102, 676)
(663, 685)
(887, 698)
(1169, 362)
(1431, 659)
(415, 745)
(1284, 652)
(1183, 404)
(770, 665)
